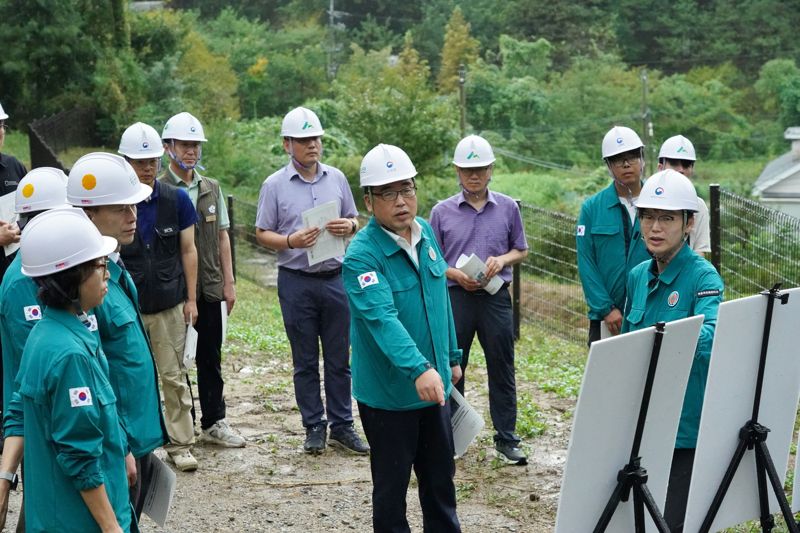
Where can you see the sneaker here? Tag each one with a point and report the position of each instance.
(347, 439)
(315, 439)
(183, 460)
(222, 434)
(510, 452)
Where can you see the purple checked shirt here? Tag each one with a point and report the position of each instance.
(490, 232)
(285, 196)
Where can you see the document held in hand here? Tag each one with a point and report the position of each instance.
(190, 347)
(328, 245)
(467, 422)
(473, 267)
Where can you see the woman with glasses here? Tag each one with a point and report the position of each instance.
(74, 443)
(676, 283)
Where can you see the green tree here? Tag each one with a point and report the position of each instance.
(459, 48)
(779, 87)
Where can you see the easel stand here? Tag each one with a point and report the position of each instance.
(753, 436)
(633, 477)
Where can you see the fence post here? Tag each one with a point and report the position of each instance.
(232, 233)
(515, 292)
(716, 228)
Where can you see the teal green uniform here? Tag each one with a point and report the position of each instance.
(609, 245)
(19, 312)
(133, 369)
(689, 286)
(401, 321)
(74, 439)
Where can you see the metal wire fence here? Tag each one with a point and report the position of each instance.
(757, 246)
(754, 247)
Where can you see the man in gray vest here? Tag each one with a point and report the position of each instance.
(182, 137)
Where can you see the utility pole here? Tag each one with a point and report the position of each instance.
(647, 126)
(332, 45)
(462, 97)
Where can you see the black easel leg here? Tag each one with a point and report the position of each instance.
(723, 488)
(638, 511)
(652, 508)
(611, 506)
(766, 519)
(786, 511)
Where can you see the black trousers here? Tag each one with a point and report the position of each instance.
(594, 331)
(400, 440)
(209, 362)
(680, 476)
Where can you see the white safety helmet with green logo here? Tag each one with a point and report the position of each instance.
(60, 239)
(620, 139)
(384, 164)
(141, 141)
(41, 189)
(301, 123)
(677, 147)
(101, 178)
(473, 151)
(668, 190)
(183, 127)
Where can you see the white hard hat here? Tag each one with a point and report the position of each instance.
(473, 151)
(668, 190)
(3, 114)
(677, 147)
(385, 164)
(101, 178)
(183, 127)
(300, 123)
(620, 139)
(41, 189)
(141, 141)
(61, 239)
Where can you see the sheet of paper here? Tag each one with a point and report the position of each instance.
(159, 495)
(473, 267)
(224, 310)
(190, 347)
(467, 422)
(7, 214)
(328, 246)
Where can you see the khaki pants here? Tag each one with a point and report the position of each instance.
(167, 332)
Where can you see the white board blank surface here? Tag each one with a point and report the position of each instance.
(605, 423)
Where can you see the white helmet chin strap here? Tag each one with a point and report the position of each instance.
(181, 164)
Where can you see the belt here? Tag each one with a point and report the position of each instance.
(328, 274)
(481, 292)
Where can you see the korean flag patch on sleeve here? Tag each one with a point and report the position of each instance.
(367, 278)
(580, 231)
(32, 312)
(80, 397)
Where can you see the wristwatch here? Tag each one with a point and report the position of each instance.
(355, 226)
(11, 478)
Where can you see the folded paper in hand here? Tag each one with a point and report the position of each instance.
(190, 347)
(467, 422)
(473, 267)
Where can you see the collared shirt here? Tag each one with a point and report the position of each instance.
(285, 196)
(492, 231)
(410, 249)
(192, 189)
(11, 171)
(147, 210)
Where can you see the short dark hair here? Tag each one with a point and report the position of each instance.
(60, 290)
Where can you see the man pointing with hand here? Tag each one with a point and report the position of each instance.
(405, 355)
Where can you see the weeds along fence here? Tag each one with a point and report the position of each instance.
(51, 135)
(753, 247)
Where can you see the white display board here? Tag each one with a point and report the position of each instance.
(605, 423)
(729, 405)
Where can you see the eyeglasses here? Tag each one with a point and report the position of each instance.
(631, 158)
(101, 264)
(144, 163)
(391, 196)
(648, 219)
(477, 171)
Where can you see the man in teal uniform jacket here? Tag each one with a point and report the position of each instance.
(405, 353)
(108, 189)
(608, 237)
(676, 283)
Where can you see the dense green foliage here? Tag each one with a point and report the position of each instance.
(544, 80)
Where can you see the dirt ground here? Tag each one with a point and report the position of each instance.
(272, 486)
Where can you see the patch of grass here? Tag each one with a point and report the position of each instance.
(257, 321)
(530, 422)
(72, 154)
(552, 364)
(16, 144)
(464, 490)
